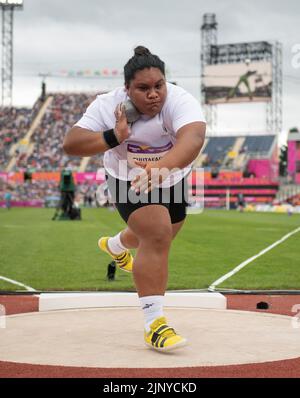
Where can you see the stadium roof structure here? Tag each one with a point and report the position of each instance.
(11, 3)
(241, 52)
(8, 7)
(213, 54)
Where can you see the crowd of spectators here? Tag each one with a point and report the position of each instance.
(64, 112)
(42, 190)
(85, 194)
(47, 155)
(95, 163)
(28, 191)
(14, 124)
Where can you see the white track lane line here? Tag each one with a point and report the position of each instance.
(242, 265)
(30, 289)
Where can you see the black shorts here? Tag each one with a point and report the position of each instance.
(126, 201)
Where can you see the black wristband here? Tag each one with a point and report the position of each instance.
(110, 138)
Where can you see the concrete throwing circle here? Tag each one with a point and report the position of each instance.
(113, 338)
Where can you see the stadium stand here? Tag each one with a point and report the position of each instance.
(14, 123)
(31, 140)
(239, 165)
(217, 149)
(14, 126)
(45, 193)
(254, 145)
(64, 111)
(232, 153)
(94, 163)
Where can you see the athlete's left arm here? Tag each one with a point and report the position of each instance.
(189, 141)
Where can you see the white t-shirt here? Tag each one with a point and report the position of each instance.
(150, 138)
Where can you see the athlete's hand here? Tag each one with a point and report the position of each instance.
(151, 176)
(122, 130)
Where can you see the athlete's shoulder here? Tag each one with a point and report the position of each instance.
(114, 96)
(177, 95)
(180, 108)
(102, 110)
(175, 91)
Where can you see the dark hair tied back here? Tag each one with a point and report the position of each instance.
(142, 59)
(140, 50)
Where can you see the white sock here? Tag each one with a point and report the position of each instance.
(152, 307)
(115, 245)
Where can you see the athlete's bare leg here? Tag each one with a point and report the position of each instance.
(130, 240)
(153, 228)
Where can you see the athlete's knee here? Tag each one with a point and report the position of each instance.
(160, 236)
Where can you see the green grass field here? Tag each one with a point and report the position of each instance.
(63, 255)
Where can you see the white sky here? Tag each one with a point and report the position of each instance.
(55, 35)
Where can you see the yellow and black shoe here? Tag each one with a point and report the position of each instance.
(124, 260)
(162, 337)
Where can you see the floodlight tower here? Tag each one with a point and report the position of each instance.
(8, 7)
(209, 38)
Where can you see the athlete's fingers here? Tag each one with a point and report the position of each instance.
(150, 187)
(117, 112)
(154, 182)
(141, 183)
(140, 164)
(146, 187)
(120, 112)
(142, 174)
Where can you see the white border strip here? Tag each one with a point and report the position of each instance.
(30, 289)
(242, 265)
(66, 301)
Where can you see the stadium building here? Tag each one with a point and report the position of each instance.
(32, 157)
(240, 165)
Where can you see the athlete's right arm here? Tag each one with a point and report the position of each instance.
(83, 142)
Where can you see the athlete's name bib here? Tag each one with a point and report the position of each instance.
(146, 153)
